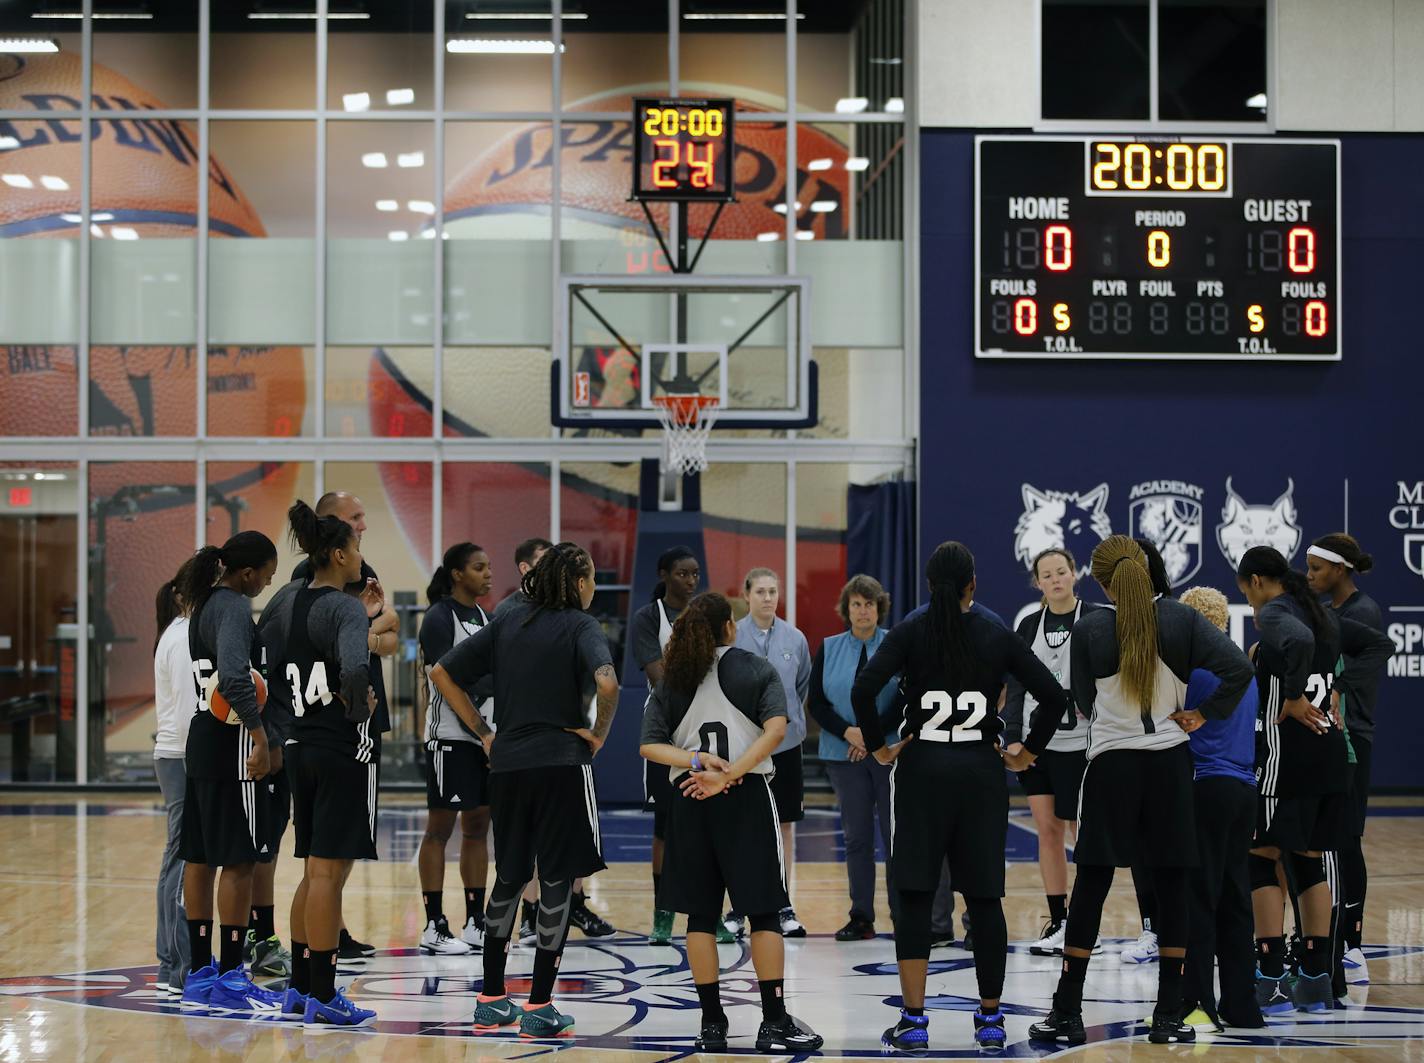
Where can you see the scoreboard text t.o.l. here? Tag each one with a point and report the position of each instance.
(1115, 247)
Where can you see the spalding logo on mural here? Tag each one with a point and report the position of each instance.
(1244, 525)
(1168, 514)
(1077, 520)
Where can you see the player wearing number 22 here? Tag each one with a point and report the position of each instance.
(949, 797)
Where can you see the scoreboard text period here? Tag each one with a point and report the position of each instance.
(1197, 248)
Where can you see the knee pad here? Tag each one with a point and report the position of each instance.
(768, 921)
(1263, 872)
(702, 924)
(1308, 871)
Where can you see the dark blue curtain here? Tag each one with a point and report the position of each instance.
(880, 539)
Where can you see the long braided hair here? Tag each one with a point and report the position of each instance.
(553, 582)
(1120, 565)
(950, 571)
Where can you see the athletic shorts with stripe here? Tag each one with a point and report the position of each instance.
(949, 803)
(334, 798)
(548, 816)
(456, 776)
(729, 843)
(226, 822)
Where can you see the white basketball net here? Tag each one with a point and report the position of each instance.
(687, 422)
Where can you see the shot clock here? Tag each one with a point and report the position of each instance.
(683, 149)
(1113, 247)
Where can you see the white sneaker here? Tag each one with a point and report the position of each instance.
(437, 940)
(732, 924)
(1357, 969)
(1050, 942)
(1143, 950)
(791, 926)
(1098, 948)
(473, 935)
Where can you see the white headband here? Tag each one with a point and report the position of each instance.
(1328, 555)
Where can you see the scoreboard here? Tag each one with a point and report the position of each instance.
(1156, 249)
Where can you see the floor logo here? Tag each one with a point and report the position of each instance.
(1077, 520)
(1244, 525)
(1168, 514)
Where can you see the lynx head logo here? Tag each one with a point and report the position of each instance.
(1244, 525)
(1077, 520)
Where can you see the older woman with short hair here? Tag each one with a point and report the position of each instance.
(862, 783)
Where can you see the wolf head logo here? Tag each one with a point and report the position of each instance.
(1244, 525)
(1077, 520)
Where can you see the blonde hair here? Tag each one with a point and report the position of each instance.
(1121, 567)
(1210, 602)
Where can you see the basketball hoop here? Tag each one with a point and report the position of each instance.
(687, 421)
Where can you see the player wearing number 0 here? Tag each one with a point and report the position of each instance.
(318, 654)
(1301, 765)
(1130, 671)
(224, 813)
(948, 793)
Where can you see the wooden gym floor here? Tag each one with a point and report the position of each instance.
(76, 966)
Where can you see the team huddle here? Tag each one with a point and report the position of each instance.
(1231, 785)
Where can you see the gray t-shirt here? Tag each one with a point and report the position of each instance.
(543, 680)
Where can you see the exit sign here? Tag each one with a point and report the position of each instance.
(21, 497)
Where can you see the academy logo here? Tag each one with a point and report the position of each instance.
(1168, 514)
(1077, 520)
(1244, 525)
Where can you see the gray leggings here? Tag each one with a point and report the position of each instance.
(172, 938)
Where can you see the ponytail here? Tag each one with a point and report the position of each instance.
(199, 575)
(1268, 563)
(168, 610)
(1348, 548)
(666, 560)
(1120, 565)
(1156, 567)
(696, 635)
(442, 584)
(317, 536)
(950, 571)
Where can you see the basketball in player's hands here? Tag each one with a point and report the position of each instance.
(218, 703)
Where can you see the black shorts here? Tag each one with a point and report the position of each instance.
(788, 786)
(1360, 785)
(456, 776)
(279, 803)
(729, 843)
(547, 816)
(225, 822)
(658, 793)
(1137, 808)
(1059, 774)
(1301, 824)
(334, 800)
(949, 803)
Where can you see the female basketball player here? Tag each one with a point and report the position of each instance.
(547, 656)
(456, 768)
(950, 797)
(319, 655)
(678, 575)
(1130, 670)
(224, 817)
(1332, 563)
(1053, 780)
(1304, 805)
(716, 716)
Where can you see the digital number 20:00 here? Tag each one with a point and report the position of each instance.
(1188, 168)
(1116, 318)
(669, 121)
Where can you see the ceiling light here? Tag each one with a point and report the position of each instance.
(878, 61)
(54, 184)
(427, 234)
(490, 46)
(524, 16)
(387, 205)
(103, 215)
(824, 206)
(780, 208)
(805, 234)
(856, 162)
(397, 236)
(738, 16)
(374, 160)
(113, 15)
(96, 231)
(309, 16)
(6, 143)
(17, 180)
(410, 160)
(1258, 100)
(895, 105)
(397, 97)
(420, 206)
(818, 164)
(766, 238)
(356, 101)
(73, 219)
(851, 104)
(27, 44)
(123, 232)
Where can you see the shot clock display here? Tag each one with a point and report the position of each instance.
(1157, 249)
(682, 149)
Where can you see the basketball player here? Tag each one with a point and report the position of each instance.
(1332, 563)
(456, 768)
(224, 818)
(1052, 782)
(1304, 807)
(547, 655)
(319, 648)
(950, 797)
(678, 575)
(1130, 671)
(713, 720)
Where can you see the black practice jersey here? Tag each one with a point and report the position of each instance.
(222, 640)
(322, 672)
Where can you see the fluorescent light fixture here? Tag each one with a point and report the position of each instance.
(491, 46)
(851, 104)
(309, 16)
(818, 164)
(895, 105)
(893, 61)
(1258, 100)
(524, 16)
(738, 16)
(54, 184)
(17, 180)
(123, 232)
(73, 219)
(856, 163)
(805, 234)
(780, 208)
(356, 101)
(387, 205)
(374, 160)
(103, 215)
(766, 238)
(94, 230)
(824, 206)
(28, 44)
(397, 236)
(399, 97)
(420, 206)
(427, 234)
(76, 15)
(6, 143)
(410, 160)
